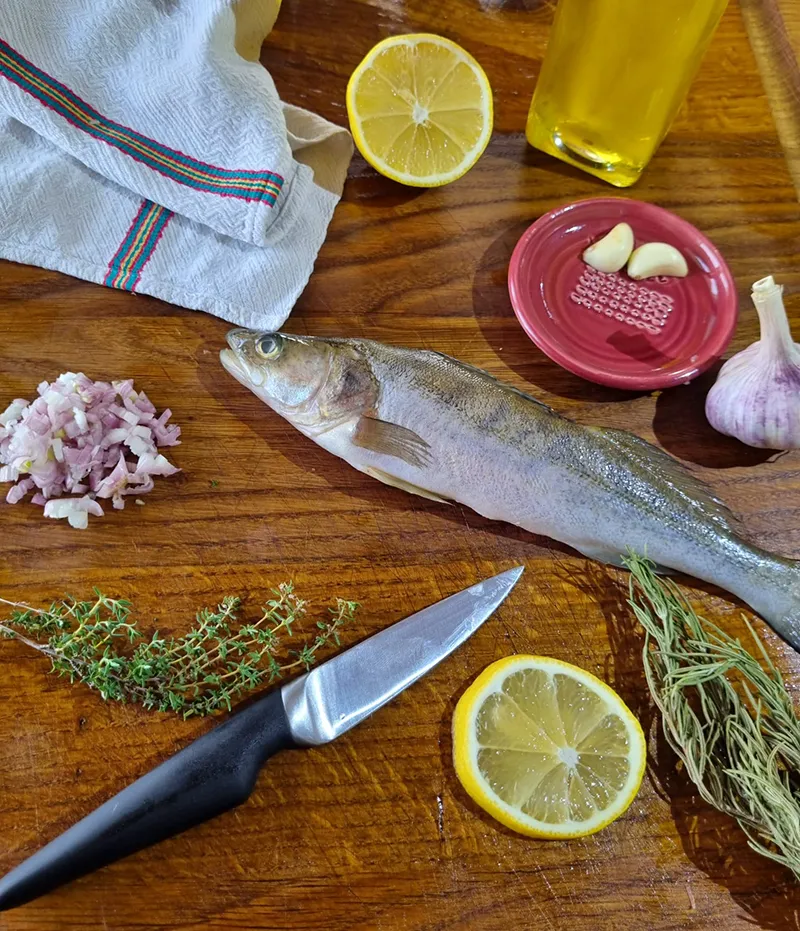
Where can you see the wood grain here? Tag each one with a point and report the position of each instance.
(374, 831)
(774, 30)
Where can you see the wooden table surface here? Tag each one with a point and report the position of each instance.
(374, 832)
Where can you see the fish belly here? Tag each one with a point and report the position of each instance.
(539, 493)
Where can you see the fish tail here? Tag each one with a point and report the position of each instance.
(769, 583)
(772, 589)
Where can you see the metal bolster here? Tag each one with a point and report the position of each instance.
(305, 711)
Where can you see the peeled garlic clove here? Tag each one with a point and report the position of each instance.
(756, 397)
(610, 253)
(657, 258)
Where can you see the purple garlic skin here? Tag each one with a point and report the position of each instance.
(756, 397)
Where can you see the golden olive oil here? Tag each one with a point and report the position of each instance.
(614, 76)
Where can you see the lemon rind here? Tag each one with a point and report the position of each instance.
(465, 750)
(433, 180)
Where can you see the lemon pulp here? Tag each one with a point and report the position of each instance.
(420, 109)
(547, 748)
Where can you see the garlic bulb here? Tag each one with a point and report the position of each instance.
(756, 397)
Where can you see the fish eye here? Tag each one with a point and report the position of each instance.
(269, 346)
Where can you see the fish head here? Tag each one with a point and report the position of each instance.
(313, 382)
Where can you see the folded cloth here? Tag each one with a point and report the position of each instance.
(143, 146)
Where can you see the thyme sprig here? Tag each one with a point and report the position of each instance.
(725, 712)
(216, 662)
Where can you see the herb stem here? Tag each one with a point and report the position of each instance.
(16, 635)
(725, 712)
(205, 670)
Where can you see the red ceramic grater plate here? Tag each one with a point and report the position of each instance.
(638, 335)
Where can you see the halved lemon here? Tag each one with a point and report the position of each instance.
(547, 748)
(420, 109)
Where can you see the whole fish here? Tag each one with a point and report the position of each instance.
(431, 425)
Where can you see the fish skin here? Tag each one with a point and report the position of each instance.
(509, 457)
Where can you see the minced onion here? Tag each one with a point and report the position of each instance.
(83, 441)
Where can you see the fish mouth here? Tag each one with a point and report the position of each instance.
(235, 359)
(233, 366)
(237, 338)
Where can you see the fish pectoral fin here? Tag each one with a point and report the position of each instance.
(391, 439)
(403, 485)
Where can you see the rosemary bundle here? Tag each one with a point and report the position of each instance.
(218, 661)
(726, 714)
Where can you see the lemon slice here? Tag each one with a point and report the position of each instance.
(420, 109)
(546, 748)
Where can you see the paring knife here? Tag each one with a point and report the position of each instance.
(218, 770)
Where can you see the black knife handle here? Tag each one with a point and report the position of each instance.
(213, 774)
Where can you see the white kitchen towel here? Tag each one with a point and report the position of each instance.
(143, 146)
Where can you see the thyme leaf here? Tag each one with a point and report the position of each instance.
(205, 670)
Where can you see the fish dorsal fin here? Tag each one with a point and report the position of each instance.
(491, 378)
(403, 485)
(391, 439)
(652, 459)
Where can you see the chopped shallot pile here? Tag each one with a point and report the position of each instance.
(88, 440)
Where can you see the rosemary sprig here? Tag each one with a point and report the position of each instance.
(726, 713)
(219, 660)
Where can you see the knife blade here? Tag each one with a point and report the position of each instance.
(218, 771)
